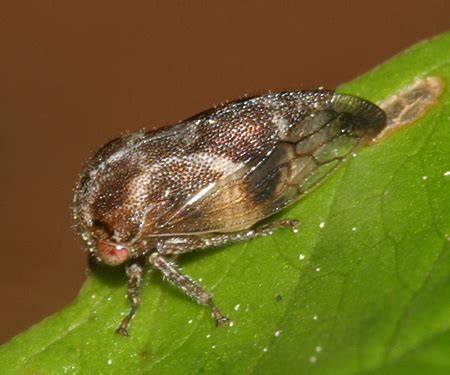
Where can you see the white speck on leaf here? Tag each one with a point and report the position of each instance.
(236, 308)
(317, 269)
(424, 177)
(313, 359)
(315, 317)
(318, 348)
(322, 225)
(277, 333)
(447, 173)
(190, 321)
(301, 257)
(68, 368)
(265, 350)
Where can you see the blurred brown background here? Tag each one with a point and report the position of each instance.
(72, 77)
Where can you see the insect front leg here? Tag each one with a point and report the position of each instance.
(196, 292)
(134, 274)
(181, 245)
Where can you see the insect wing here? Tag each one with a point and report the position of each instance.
(301, 158)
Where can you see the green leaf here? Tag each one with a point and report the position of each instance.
(368, 291)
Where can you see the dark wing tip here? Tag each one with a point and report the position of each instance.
(368, 118)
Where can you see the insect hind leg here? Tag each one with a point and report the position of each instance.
(189, 287)
(172, 246)
(184, 244)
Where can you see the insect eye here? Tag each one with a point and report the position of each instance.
(112, 254)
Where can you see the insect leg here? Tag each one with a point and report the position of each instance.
(180, 245)
(134, 274)
(196, 292)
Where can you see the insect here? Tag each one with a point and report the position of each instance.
(146, 197)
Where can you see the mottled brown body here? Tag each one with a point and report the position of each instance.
(206, 181)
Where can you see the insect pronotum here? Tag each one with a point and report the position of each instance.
(146, 197)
